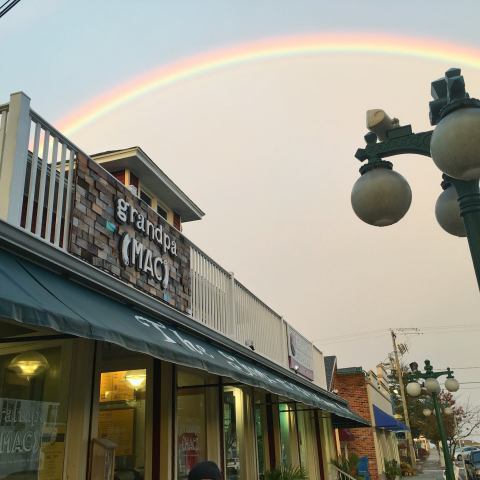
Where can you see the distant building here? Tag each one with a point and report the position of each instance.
(368, 396)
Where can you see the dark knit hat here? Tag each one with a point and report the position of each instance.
(205, 470)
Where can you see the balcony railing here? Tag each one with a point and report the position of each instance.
(37, 167)
(222, 303)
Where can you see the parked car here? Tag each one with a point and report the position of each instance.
(460, 451)
(472, 464)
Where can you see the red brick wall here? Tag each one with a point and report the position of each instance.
(353, 388)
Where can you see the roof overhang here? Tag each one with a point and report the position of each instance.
(152, 177)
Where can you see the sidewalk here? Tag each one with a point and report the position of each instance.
(431, 468)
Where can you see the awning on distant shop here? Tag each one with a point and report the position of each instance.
(345, 435)
(387, 422)
(36, 296)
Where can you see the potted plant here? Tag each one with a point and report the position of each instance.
(286, 473)
(347, 464)
(392, 470)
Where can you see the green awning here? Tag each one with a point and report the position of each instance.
(35, 296)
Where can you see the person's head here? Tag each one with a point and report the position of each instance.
(205, 471)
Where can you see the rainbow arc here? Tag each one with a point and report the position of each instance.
(281, 47)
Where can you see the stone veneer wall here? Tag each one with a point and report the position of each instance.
(92, 240)
(353, 388)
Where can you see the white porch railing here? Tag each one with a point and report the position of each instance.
(224, 304)
(48, 188)
(3, 129)
(341, 475)
(37, 168)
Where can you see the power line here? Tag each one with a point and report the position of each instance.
(433, 329)
(7, 6)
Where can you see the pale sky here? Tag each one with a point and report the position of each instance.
(267, 151)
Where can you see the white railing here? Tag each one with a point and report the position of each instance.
(342, 475)
(3, 129)
(259, 324)
(48, 185)
(224, 304)
(37, 166)
(211, 292)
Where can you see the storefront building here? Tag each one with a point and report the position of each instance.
(369, 396)
(125, 351)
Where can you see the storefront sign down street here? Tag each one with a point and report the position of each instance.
(300, 354)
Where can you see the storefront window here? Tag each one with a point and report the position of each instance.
(307, 441)
(260, 434)
(233, 432)
(288, 436)
(191, 422)
(121, 419)
(33, 412)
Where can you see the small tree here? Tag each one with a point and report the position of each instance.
(466, 417)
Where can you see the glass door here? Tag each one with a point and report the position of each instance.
(123, 413)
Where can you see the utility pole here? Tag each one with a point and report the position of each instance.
(410, 447)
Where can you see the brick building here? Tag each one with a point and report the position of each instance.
(368, 396)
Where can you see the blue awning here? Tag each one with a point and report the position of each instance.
(387, 422)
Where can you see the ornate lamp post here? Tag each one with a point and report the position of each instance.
(382, 196)
(433, 387)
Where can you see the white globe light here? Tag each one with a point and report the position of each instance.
(427, 412)
(432, 385)
(381, 197)
(448, 410)
(136, 378)
(29, 364)
(455, 144)
(447, 212)
(414, 389)
(451, 384)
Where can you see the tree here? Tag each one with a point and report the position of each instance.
(466, 417)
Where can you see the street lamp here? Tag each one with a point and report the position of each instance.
(432, 386)
(381, 196)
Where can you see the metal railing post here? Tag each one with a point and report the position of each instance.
(14, 162)
(232, 316)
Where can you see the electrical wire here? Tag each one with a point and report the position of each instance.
(11, 4)
(433, 329)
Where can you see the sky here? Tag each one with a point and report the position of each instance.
(266, 149)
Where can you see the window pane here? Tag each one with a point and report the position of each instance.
(260, 433)
(33, 414)
(191, 429)
(232, 431)
(288, 436)
(161, 212)
(121, 419)
(146, 198)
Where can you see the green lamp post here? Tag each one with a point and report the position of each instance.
(432, 386)
(381, 196)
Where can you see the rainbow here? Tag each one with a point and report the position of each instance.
(274, 48)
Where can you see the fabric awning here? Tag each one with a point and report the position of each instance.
(345, 435)
(387, 422)
(36, 296)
